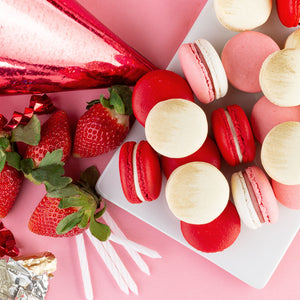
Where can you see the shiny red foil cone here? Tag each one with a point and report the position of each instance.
(51, 45)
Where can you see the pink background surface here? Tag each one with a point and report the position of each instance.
(155, 28)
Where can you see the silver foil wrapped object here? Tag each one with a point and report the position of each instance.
(18, 282)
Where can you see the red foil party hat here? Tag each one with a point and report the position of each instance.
(55, 45)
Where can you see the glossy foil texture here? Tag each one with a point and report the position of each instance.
(51, 45)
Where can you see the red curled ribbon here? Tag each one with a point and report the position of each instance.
(39, 104)
(7, 242)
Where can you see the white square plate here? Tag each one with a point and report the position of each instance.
(256, 253)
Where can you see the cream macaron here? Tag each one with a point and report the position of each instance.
(197, 192)
(279, 77)
(293, 40)
(280, 155)
(241, 15)
(176, 127)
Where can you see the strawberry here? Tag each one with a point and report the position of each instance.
(10, 177)
(48, 147)
(68, 211)
(105, 124)
(10, 183)
(55, 134)
(46, 217)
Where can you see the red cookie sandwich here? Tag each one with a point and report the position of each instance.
(288, 12)
(140, 172)
(233, 134)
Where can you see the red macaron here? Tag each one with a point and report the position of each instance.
(208, 152)
(140, 172)
(215, 236)
(288, 12)
(233, 134)
(156, 86)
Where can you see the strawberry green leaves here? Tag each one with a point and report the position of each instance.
(49, 172)
(83, 196)
(29, 133)
(7, 155)
(119, 100)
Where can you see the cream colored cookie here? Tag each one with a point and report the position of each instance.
(280, 155)
(279, 77)
(241, 15)
(197, 192)
(293, 40)
(176, 127)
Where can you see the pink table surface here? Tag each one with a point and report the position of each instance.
(155, 28)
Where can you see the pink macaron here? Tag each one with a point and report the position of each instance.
(208, 152)
(215, 236)
(140, 172)
(254, 197)
(262, 123)
(288, 195)
(156, 86)
(203, 70)
(243, 56)
(233, 134)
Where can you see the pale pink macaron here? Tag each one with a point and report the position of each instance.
(288, 195)
(243, 56)
(254, 197)
(203, 69)
(265, 115)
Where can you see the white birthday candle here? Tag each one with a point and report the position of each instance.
(107, 259)
(85, 272)
(134, 255)
(135, 246)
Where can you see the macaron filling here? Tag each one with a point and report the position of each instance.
(253, 198)
(235, 136)
(249, 200)
(136, 178)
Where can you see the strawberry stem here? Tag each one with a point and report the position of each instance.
(119, 100)
(82, 194)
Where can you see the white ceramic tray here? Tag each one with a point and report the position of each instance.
(256, 253)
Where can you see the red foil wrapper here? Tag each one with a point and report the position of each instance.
(7, 242)
(51, 45)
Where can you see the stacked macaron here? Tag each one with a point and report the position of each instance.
(209, 206)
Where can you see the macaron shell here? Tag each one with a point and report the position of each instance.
(126, 172)
(192, 195)
(288, 195)
(223, 136)
(293, 40)
(196, 73)
(264, 194)
(262, 124)
(280, 76)
(288, 12)
(243, 56)
(176, 127)
(215, 236)
(280, 153)
(149, 171)
(241, 15)
(208, 152)
(156, 86)
(243, 131)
